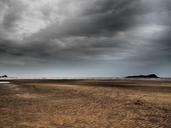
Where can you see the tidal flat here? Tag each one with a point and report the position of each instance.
(85, 104)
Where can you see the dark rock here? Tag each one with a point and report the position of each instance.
(144, 76)
(4, 76)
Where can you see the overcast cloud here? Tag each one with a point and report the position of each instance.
(85, 37)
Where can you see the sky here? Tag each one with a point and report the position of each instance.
(85, 38)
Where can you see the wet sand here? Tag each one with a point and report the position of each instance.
(85, 104)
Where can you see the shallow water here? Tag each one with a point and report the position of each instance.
(4, 82)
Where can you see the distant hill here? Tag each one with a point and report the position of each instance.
(144, 76)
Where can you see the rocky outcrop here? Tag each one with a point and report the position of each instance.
(144, 76)
(4, 76)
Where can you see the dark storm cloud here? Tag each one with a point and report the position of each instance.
(102, 18)
(94, 32)
(75, 49)
(130, 30)
(79, 35)
(12, 13)
(9, 19)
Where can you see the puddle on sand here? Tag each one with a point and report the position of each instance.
(4, 82)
